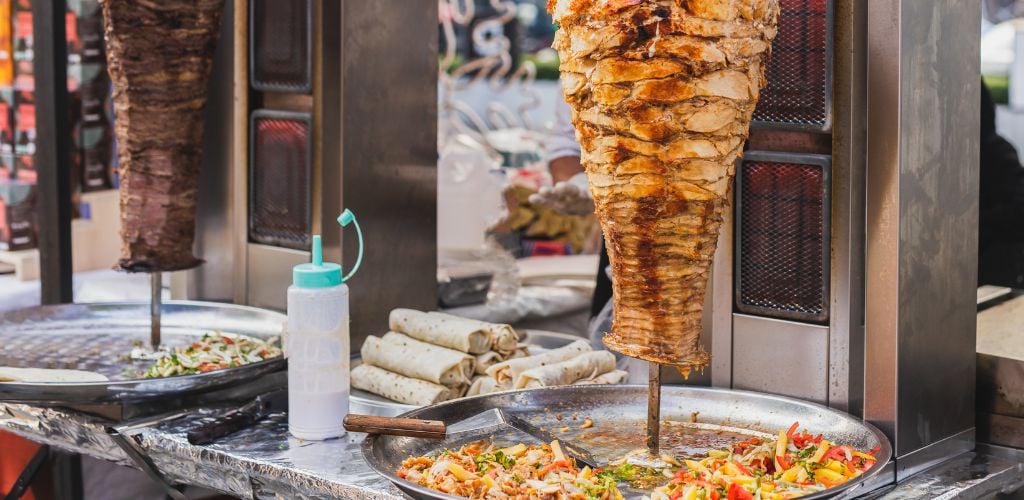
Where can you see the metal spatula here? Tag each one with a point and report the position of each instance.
(436, 429)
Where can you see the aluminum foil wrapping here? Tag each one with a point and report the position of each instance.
(260, 462)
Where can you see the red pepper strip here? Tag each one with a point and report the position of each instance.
(838, 453)
(677, 495)
(736, 492)
(742, 469)
(552, 466)
(875, 450)
(785, 464)
(715, 495)
(792, 429)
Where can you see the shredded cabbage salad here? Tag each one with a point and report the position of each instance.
(213, 352)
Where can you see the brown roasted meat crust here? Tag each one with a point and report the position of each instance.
(662, 93)
(159, 54)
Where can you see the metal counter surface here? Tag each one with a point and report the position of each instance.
(259, 462)
(264, 462)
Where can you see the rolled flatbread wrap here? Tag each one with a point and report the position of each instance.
(413, 358)
(397, 387)
(461, 334)
(507, 371)
(585, 366)
(47, 375)
(486, 360)
(504, 338)
(612, 377)
(485, 385)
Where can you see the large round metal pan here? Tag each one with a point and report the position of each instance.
(99, 338)
(694, 420)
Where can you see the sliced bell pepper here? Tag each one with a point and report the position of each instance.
(736, 492)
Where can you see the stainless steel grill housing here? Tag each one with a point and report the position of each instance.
(782, 224)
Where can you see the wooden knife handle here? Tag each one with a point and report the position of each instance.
(411, 427)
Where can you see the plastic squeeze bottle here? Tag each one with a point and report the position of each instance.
(318, 344)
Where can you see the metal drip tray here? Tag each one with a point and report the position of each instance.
(99, 338)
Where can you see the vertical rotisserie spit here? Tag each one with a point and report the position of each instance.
(662, 93)
(159, 55)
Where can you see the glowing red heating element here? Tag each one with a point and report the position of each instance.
(280, 201)
(798, 85)
(782, 240)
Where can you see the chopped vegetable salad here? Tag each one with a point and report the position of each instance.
(213, 352)
(792, 465)
(480, 471)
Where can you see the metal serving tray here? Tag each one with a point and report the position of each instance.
(365, 403)
(99, 337)
(694, 420)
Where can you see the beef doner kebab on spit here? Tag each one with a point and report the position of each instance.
(662, 93)
(159, 54)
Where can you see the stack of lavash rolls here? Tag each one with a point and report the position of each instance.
(429, 357)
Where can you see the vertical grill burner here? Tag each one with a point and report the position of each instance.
(280, 177)
(783, 227)
(797, 94)
(282, 45)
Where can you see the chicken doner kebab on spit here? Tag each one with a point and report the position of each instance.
(662, 93)
(159, 54)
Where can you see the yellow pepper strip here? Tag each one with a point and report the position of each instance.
(835, 466)
(790, 475)
(690, 493)
(822, 450)
(695, 466)
(556, 449)
(780, 445)
(514, 451)
(828, 476)
(780, 448)
(864, 456)
(488, 482)
(585, 473)
(459, 473)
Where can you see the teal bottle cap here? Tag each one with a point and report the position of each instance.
(316, 274)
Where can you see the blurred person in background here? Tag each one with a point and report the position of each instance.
(1001, 205)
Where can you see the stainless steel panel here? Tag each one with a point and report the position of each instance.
(214, 229)
(389, 64)
(922, 203)
(718, 310)
(270, 273)
(924, 458)
(780, 357)
(846, 324)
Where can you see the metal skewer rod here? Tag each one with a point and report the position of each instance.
(653, 408)
(155, 304)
